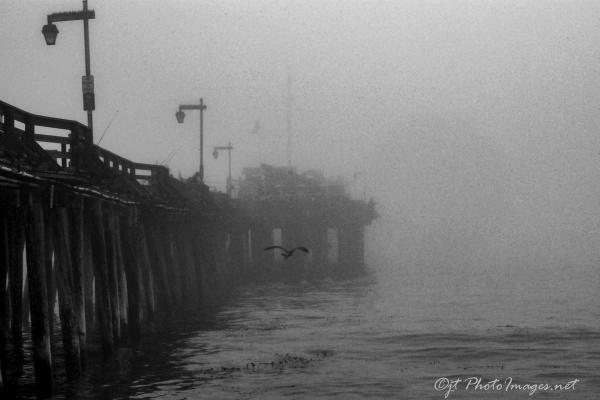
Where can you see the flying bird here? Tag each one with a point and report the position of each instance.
(288, 253)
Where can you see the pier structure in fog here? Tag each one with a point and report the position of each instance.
(305, 209)
(115, 244)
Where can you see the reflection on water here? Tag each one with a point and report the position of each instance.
(390, 334)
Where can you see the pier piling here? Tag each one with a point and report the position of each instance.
(17, 240)
(101, 286)
(38, 300)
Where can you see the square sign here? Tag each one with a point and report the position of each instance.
(89, 102)
(87, 84)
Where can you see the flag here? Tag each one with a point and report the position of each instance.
(256, 128)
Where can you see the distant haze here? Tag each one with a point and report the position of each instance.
(476, 121)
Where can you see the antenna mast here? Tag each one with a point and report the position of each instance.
(289, 119)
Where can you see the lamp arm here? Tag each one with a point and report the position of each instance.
(192, 107)
(71, 16)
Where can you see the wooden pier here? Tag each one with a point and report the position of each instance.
(119, 244)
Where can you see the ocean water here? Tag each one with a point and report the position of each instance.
(395, 333)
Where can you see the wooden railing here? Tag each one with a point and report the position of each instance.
(76, 150)
(72, 147)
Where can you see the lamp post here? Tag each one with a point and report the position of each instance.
(180, 115)
(50, 32)
(229, 147)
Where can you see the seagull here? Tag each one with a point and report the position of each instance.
(288, 253)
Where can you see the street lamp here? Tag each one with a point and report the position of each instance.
(50, 32)
(180, 115)
(215, 153)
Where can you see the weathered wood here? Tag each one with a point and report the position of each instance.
(145, 272)
(88, 273)
(176, 266)
(151, 290)
(196, 257)
(15, 270)
(102, 293)
(185, 272)
(146, 310)
(157, 249)
(4, 303)
(217, 259)
(211, 265)
(25, 314)
(78, 254)
(134, 311)
(133, 280)
(191, 267)
(113, 285)
(36, 268)
(49, 259)
(66, 297)
(172, 265)
(124, 304)
(200, 260)
(121, 279)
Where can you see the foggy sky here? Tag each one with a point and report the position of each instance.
(476, 121)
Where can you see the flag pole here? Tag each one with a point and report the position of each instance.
(256, 131)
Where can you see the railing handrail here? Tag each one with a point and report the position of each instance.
(79, 141)
(43, 120)
(78, 153)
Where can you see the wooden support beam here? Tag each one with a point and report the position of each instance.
(66, 297)
(4, 300)
(88, 272)
(157, 249)
(101, 265)
(36, 276)
(200, 257)
(121, 279)
(193, 281)
(78, 252)
(195, 266)
(49, 260)
(15, 271)
(176, 265)
(113, 284)
(145, 271)
(133, 279)
(25, 314)
(213, 262)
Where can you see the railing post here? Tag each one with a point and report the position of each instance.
(74, 148)
(63, 149)
(29, 128)
(9, 121)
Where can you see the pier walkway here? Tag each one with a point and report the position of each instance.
(114, 244)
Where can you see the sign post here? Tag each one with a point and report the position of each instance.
(87, 86)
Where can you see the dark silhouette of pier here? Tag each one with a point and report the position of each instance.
(120, 243)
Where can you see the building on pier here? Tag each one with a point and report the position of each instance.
(292, 209)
